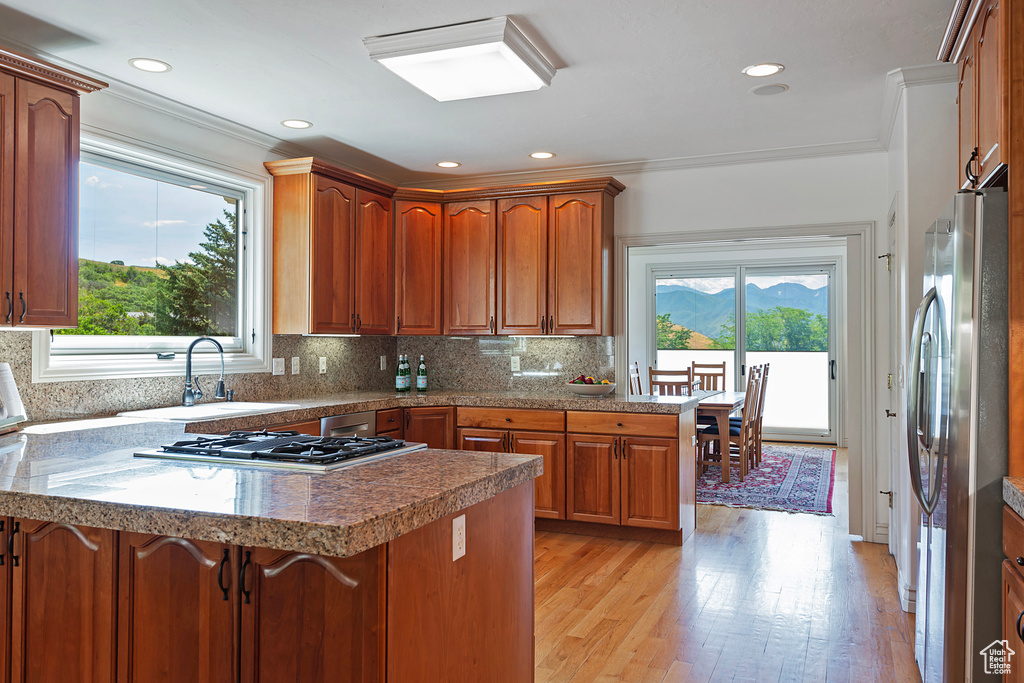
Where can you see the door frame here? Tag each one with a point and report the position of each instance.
(858, 366)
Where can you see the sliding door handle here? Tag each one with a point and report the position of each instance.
(832, 368)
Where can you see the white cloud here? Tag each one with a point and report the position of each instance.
(160, 224)
(94, 181)
(156, 261)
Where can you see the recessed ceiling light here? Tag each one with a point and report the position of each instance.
(770, 89)
(475, 59)
(296, 123)
(449, 164)
(153, 66)
(762, 70)
(542, 155)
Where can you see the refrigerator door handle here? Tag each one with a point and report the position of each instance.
(914, 408)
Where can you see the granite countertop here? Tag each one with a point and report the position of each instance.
(1013, 493)
(354, 402)
(85, 473)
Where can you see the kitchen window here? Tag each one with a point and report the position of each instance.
(168, 251)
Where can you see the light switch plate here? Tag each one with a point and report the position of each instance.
(383, 362)
(295, 365)
(279, 366)
(458, 537)
(515, 363)
(323, 365)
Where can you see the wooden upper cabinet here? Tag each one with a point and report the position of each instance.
(579, 252)
(418, 273)
(332, 250)
(372, 265)
(989, 58)
(522, 265)
(312, 618)
(331, 239)
(470, 250)
(62, 603)
(45, 207)
(6, 197)
(967, 107)
(177, 606)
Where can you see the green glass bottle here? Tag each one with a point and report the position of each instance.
(421, 376)
(398, 375)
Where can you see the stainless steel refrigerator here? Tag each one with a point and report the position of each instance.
(957, 435)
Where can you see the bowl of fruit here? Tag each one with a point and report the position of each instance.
(588, 386)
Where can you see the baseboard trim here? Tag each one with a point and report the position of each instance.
(626, 533)
(908, 595)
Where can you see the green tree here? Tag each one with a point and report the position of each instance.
(101, 316)
(672, 337)
(726, 338)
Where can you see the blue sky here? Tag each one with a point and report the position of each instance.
(139, 220)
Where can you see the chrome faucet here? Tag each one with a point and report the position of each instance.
(190, 395)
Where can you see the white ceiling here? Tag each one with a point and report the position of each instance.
(637, 81)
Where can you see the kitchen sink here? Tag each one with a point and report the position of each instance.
(206, 411)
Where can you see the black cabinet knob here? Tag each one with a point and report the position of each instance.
(1020, 561)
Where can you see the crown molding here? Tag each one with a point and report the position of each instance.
(31, 67)
(898, 80)
(305, 165)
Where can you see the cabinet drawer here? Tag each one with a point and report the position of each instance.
(1013, 536)
(389, 420)
(310, 427)
(630, 424)
(512, 418)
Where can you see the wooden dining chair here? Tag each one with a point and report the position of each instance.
(740, 436)
(670, 382)
(636, 386)
(710, 375)
(760, 374)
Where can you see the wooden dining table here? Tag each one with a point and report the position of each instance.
(718, 406)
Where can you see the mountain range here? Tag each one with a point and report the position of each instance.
(707, 313)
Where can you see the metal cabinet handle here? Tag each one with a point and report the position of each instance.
(511, 443)
(1019, 632)
(1, 551)
(967, 169)
(399, 324)
(24, 306)
(1020, 560)
(492, 324)
(543, 325)
(241, 575)
(504, 442)
(359, 323)
(615, 448)
(407, 418)
(10, 307)
(551, 324)
(220, 574)
(10, 545)
(353, 325)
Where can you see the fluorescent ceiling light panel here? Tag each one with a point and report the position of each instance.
(476, 59)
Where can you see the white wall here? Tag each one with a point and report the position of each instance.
(923, 177)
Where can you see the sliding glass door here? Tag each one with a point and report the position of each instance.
(746, 316)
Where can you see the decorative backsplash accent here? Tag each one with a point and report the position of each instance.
(353, 363)
(484, 363)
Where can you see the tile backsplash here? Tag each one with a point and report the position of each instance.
(353, 363)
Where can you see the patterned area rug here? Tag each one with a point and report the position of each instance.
(789, 478)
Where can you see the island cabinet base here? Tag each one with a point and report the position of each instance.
(469, 619)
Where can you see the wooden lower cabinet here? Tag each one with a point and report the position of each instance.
(1013, 618)
(310, 427)
(549, 488)
(592, 470)
(389, 423)
(64, 584)
(432, 426)
(312, 618)
(177, 610)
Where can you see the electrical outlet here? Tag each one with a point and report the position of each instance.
(279, 366)
(295, 365)
(383, 362)
(323, 365)
(458, 537)
(515, 363)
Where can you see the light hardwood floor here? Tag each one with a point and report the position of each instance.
(752, 596)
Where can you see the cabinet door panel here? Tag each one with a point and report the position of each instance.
(488, 440)
(175, 623)
(62, 617)
(549, 488)
(432, 426)
(470, 250)
(373, 264)
(5, 602)
(312, 618)
(390, 421)
(522, 265)
(578, 256)
(418, 237)
(334, 212)
(46, 207)
(310, 427)
(989, 60)
(1013, 609)
(650, 483)
(592, 473)
(7, 106)
(967, 108)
